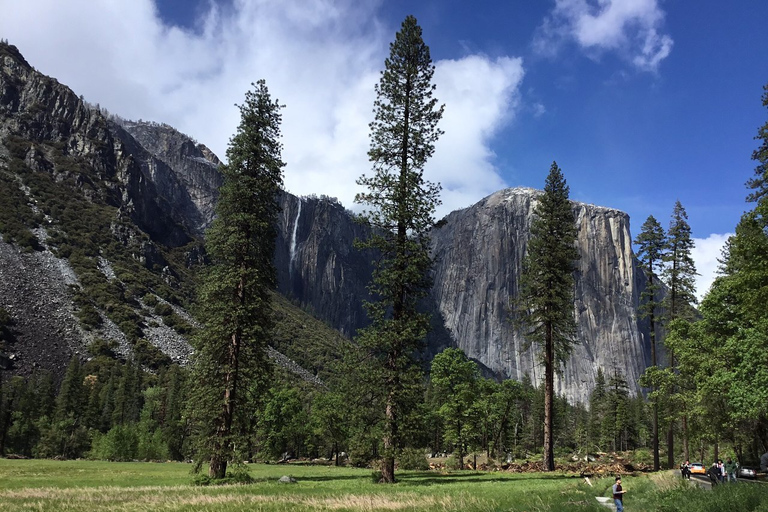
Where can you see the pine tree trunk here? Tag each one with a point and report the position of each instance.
(656, 462)
(685, 437)
(671, 445)
(549, 389)
(388, 461)
(671, 430)
(218, 466)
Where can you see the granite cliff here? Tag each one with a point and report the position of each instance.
(161, 187)
(478, 254)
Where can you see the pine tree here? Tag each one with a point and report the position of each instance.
(759, 183)
(597, 406)
(680, 272)
(71, 400)
(680, 278)
(545, 301)
(402, 205)
(234, 299)
(651, 249)
(454, 381)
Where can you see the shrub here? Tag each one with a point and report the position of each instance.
(149, 355)
(101, 347)
(121, 443)
(453, 462)
(89, 317)
(163, 309)
(238, 476)
(413, 459)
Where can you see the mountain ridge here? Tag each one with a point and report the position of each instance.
(156, 190)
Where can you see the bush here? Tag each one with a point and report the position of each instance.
(361, 452)
(413, 459)
(163, 309)
(453, 462)
(151, 445)
(101, 347)
(239, 476)
(149, 355)
(89, 317)
(121, 443)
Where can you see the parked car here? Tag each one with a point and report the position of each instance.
(697, 468)
(747, 472)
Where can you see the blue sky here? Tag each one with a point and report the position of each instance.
(641, 102)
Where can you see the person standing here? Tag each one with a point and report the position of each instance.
(714, 474)
(685, 470)
(618, 495)
(730, 470)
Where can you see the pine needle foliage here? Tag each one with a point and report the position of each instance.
(545, 301)
(759, 183)
(401, 205)
(234, 299)
(680, 272)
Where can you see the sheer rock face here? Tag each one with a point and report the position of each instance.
(317, 264)
(478, 256)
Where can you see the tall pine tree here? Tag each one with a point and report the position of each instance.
(234, 300)
(680, 278)
(401, 205)
(545, 302)
(651, 248)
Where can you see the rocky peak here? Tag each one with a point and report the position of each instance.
(478, 256)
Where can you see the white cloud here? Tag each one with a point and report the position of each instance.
(321, 58)
(705, 254)
(629, 27)
(479, 95)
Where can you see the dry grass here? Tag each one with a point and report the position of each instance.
(148, 498)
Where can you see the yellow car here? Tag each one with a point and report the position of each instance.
(697, 468)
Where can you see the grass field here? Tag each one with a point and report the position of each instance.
(87, 485)
(42, 485)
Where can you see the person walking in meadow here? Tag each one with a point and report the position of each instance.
(618, 495)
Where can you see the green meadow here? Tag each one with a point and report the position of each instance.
(42, 485)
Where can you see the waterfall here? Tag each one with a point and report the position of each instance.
(293, 237)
